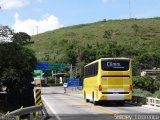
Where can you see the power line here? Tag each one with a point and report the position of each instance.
(130, 11)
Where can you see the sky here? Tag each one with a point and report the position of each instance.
(38, 16)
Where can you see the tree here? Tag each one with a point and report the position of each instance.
(135, 27)
(71, 54)
(5, 31)
(88, 53)
(16, 68)
(21, 38)
(6, 34)
(145, 83)
(149, 60)
(157, 81)
(107, 34)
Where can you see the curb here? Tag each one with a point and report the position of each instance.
(152, 107)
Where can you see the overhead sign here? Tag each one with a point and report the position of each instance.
(74, 82)
(47, 66)
(38, 73)
(56, 66)
(42, 66)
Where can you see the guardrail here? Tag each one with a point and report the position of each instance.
(28, 111)
(153, 101)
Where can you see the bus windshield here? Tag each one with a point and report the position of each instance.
(115, 65)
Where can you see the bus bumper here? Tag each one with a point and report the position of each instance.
(125, 97)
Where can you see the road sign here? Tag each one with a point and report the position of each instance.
(37, 95)
(38, 73)
(42, 66)
(74, 82)
(56, 66)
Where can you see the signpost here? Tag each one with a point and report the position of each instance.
(74, 82)
(56, 66)
(42, 66)
(53, 68)
(46, 66)
(38, 74)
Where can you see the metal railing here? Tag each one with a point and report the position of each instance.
(153, 101)
(28, 111)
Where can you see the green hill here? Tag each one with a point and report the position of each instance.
(112, 38)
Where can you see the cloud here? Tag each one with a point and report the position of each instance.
(12, 4)
(37, 10)
(105, 1)
(108, 1)
(32, 27)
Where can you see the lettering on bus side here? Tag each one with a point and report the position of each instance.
(113, 64)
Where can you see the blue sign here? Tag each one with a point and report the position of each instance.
(42, 66)
(74, 82)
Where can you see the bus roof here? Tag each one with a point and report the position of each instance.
(120, 58)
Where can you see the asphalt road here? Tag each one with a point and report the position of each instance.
(71, 106)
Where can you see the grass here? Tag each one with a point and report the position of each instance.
(52, 43)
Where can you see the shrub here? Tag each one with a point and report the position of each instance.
(142, 93)
(145, 83)
(107, 34)
(54, 82)
(157, 94)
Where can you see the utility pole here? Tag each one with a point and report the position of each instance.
(130, 13)
(37, 31)
(71, 76)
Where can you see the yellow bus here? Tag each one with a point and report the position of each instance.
(108, 79)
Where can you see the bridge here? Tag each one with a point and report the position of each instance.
(57, 105)
(71, 106)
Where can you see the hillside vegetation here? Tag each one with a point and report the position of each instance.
(138, 39)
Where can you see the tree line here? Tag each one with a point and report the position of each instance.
(141, 58)
(16, 71)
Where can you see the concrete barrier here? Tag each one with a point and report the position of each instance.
(153, 101)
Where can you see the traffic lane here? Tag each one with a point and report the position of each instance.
(127, 109)
(52, 90)
(67, 100)
(67, 108)
(124, 109)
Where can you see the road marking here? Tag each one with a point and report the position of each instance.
(92, 106)
(83, 103)
(97, 108)
(52, 110)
